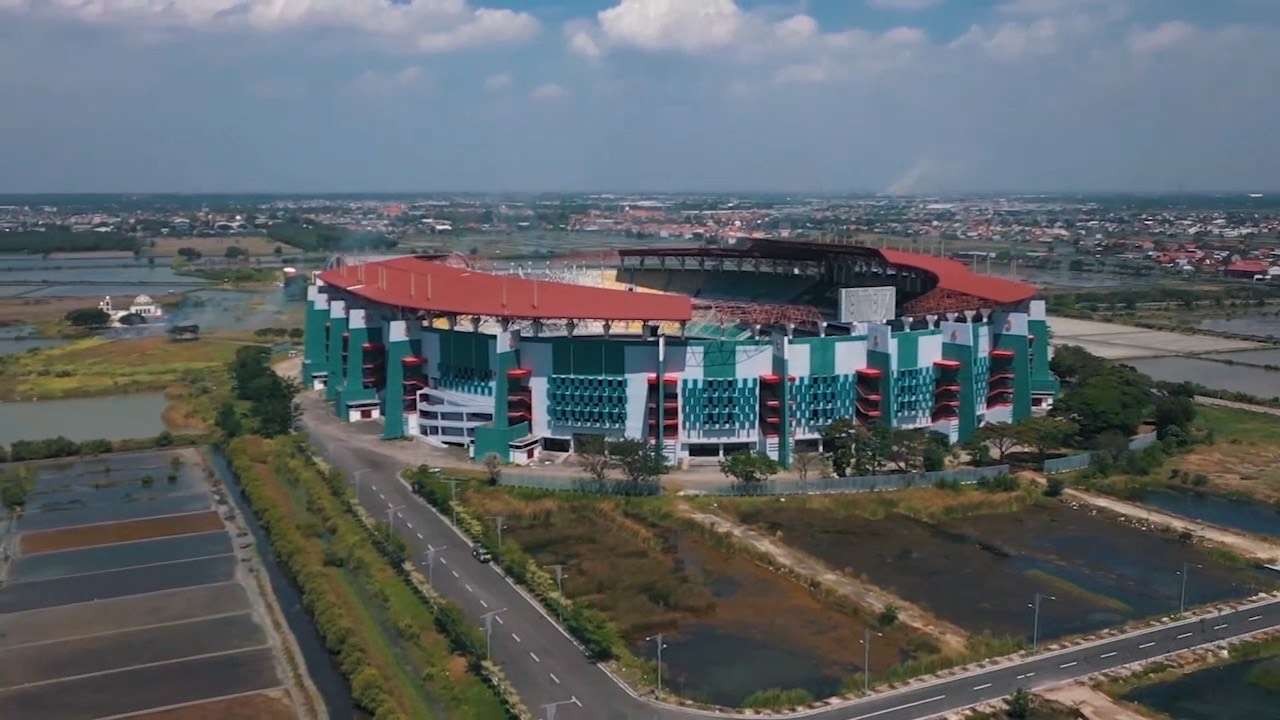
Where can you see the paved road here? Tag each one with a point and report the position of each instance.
(546, 666)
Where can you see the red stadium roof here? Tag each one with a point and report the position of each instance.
(957, 277)
(420, 284)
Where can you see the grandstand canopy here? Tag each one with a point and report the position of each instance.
(415, 283)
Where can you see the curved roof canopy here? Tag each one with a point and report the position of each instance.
(416, 283)
(957, 277)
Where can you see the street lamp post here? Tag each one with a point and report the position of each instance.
(658, 639)
(453, 498)
(1035, 629)
(431, 562)
(497, 523)
(866, 658)
(355, 478)
(1182, 596)
(488, 631)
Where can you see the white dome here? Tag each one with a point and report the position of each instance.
(143, 300)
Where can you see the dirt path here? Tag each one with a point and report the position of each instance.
(1264, 550)
(1204, 400)
(950, 637)
(1092, 704)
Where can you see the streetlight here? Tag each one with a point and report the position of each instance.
(497, 523)
(1035, 630)
(559, 589)
(391, 519)
(488, 631)
(866, 658)
(355, 478)
(1182, 598)
(550, 708)
(453, 497)
(658, 639)
(431, 562)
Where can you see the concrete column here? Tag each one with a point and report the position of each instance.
(337, 329)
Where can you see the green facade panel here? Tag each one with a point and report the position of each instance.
(337, 371)
(315, 347)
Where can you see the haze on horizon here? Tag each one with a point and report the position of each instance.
(830, 96)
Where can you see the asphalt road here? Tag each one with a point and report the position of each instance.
(547, 666)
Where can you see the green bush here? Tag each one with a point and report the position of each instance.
(777, 698)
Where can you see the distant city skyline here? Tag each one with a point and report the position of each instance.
(915, 97)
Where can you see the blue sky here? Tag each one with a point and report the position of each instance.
(908, 96)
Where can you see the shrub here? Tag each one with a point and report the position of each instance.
(777, 698)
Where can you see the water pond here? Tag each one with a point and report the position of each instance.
(1244, 690)
(1252, 517)
(981, 572)
(110, 417)
(1234, 378)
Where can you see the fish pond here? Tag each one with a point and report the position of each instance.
(982, 571)
(109, 417)
(1244, 515)
(1245, 690)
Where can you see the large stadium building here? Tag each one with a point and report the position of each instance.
(706, 351)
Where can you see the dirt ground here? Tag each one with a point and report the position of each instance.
(217, 246)
(102, 534)
(1091, 703)
(36, 310)
(271, 705)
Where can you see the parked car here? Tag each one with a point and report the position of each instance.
(479, 553)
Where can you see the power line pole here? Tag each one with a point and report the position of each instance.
(497, 523)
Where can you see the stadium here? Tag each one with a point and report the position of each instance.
(704, 351)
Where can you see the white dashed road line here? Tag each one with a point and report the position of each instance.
(1255, 618)
(468, 587)
(484, 604)
(900, 707)
(554, 679)
(1219, 627)
(419, 535)
(982, 687)
(1183, 635)
(535, 657)
(1143, 646)
(1073, 663)
(517, 637)
(1024, 675)
(1107, 655)
(455, 573)
(499, 619)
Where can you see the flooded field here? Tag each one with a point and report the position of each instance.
(1269, 356)
(116, 605)
(649, 573)
(1219, 376)
(109, 417)
(1251, 517)
(21, 338)
(1261, 325)
(1249, 689)
(1101, 572)
(38, 276)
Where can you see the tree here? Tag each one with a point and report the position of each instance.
(87, 317)
(1000, 437)
(1054, 486)
(1072, 362)
(493, 468)
(14, 486)
(806, 462)
(235, 252)
(640, 463)
(1173, 411)
(1112, 398)
(838, 439)
(749, 469)
(1045, 433)
(190, 254)
(1020, 704)
(888, 617)
(593, 457)
(905, 449)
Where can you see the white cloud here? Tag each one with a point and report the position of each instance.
(802, 74)
(582, 40)
(1013, 40)
(372, 82)
(796, 29)
(430, 26)
(688, 25)
(903, 5)
(548, 91)
(1040, 8)
(497, 82)
(1161, 37)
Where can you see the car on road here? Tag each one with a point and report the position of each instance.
(480, 554)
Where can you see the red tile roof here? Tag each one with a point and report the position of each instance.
(957, 277)
(1255, 267)
(421, 284)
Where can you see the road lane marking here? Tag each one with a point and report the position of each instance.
(1255, 618)
(1024, 675)
(1145, 645)
(1107, 655)
(1073, 663)
(468, 587)
(574, 699)
(419, 536)
(406, 522)
(984, 686)
(455, 573)
(535, 657)
(443, 561)
(484, 604)
(517, 637)
(1183, 635)
(499, 619)
(554, 679)
(900, 707)
(1219, 627)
